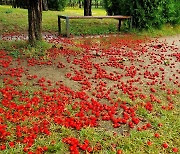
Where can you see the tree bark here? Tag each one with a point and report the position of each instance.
(45, 5)
(87, 7)
(35, 21)
(14, 5)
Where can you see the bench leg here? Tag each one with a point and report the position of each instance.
(119, 25)
(59, 25)
(67, 27)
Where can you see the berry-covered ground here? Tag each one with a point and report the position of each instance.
(101, 94)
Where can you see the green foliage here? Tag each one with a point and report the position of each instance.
(58, 5)
(171, 11)
(15, 53)
(146, 13)
(56, 147)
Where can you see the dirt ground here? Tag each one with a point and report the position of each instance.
(169, 44)
(113, 59)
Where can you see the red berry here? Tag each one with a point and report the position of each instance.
(175, 149)
(45, 148)
(165, 145)
(152, 90)
(119, 151)
(89, 149)
(149, 143)
(156, 135)
(160, 124)
(26, 149)
(11, 144)
(3, 147)
(148, 125)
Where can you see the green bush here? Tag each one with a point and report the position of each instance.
(57, 4)
(171, 11)
(146, 13)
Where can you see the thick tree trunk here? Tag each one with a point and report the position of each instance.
(87, 8)
(35, 21)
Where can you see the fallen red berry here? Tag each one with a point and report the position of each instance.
(160, 124)
(165, 145)
(119, 151)
(149, 143)
(175, 149)
(3, 147)
(156, 135)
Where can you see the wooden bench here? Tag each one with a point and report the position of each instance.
(67, 18)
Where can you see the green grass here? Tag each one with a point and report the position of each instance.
(135, 142)
(106, 141)
(23, 49)
(166, 30)
(16, 20)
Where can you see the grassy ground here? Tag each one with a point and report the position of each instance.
(165, 123)
(16, 19)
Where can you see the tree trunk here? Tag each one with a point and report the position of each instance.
(45, 5)
(14, 4)
(24, 4)
(80, 4)
(87, 8)
(95, 3)
(35, 21)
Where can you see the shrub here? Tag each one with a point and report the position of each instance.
(171, 11)
(146, 13)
